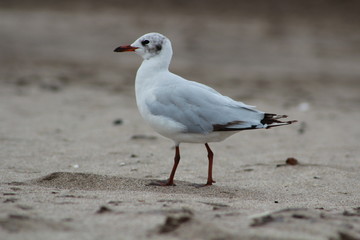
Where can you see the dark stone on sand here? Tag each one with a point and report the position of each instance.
(292, 161)
(118, 122)
(103, 209)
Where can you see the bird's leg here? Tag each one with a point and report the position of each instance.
(210, 180)
(170, 181)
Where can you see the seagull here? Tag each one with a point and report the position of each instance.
(187, 111)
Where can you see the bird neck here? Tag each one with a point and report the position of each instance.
(156, 63)
(153, 66)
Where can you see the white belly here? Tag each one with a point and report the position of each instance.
(177, 131)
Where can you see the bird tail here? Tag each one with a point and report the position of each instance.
(271, 120)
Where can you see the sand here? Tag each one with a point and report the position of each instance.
(76, 159)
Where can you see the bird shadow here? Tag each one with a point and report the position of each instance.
(97, 182)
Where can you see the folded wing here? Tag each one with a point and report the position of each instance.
(201, 109)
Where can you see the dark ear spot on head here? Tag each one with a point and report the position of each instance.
(158, 47)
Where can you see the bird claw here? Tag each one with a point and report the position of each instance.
(204, 185)
(209, 182)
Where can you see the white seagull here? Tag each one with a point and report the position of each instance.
(187, 111)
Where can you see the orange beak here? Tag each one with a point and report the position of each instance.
(126, 48)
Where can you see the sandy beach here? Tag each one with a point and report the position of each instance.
(76, 159)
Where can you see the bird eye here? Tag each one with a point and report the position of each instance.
(144, 42)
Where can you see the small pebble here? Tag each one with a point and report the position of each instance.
(75, 166)
(292, 161)
(118, 122)
(103, 209)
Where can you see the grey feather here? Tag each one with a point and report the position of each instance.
(201, 109)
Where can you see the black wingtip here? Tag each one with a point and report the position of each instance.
(272, 120)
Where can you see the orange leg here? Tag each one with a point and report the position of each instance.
(170, 181)
(210, 180)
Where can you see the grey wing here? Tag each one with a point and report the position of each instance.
(202, 110)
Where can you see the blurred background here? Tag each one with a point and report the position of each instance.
(282, 56)
(222, 43)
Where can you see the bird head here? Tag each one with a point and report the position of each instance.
(148, 46)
